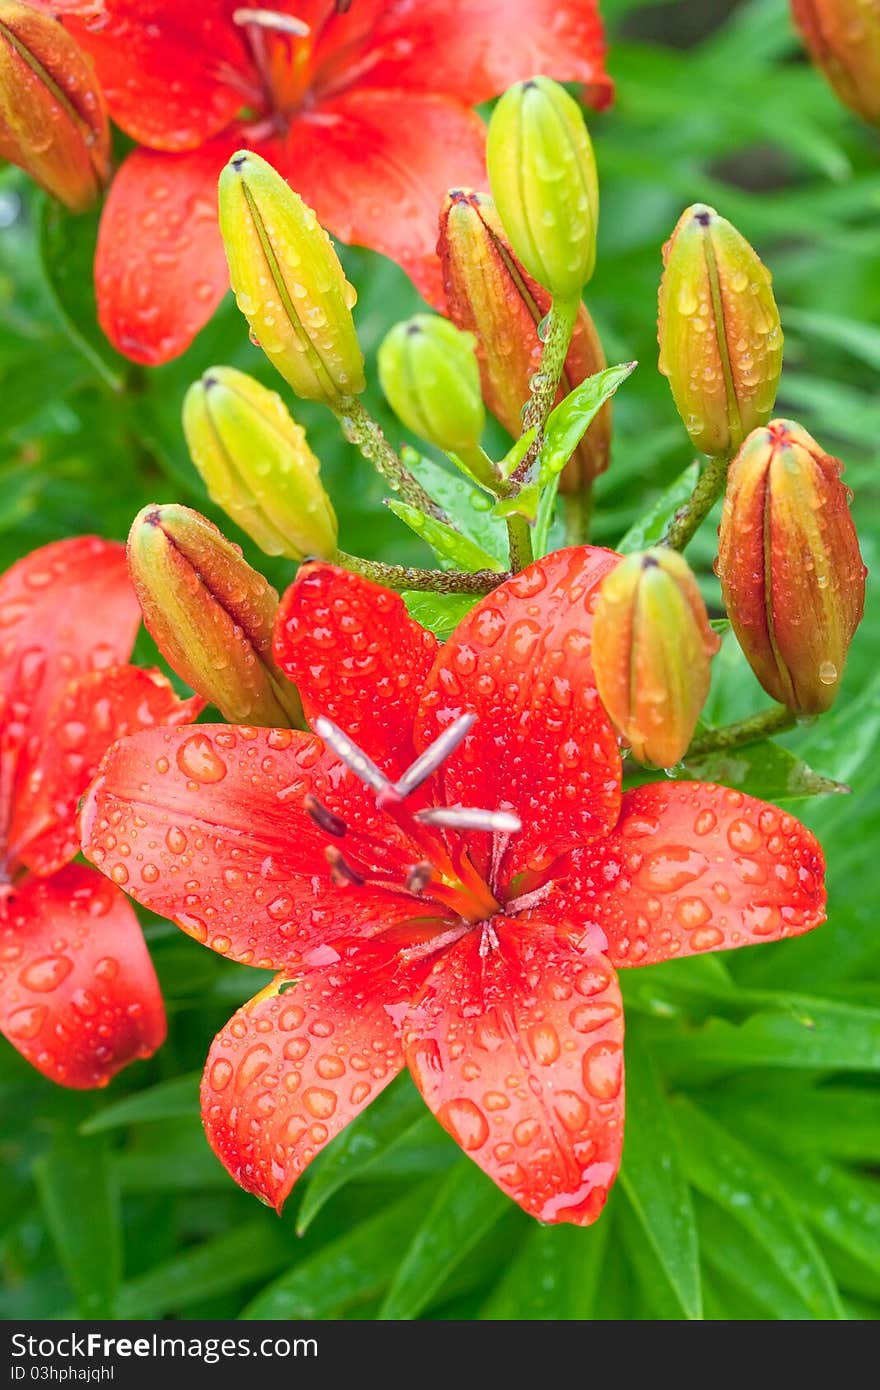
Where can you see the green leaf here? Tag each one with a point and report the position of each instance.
(569, 421)
(252, 1251)
(462, 500)
(730, 1250)
(841, 1206)
(349, 1270)
(80, 1202)
(555, 1277)
(649, 529)
(733, 1177)
(440, 612)
(165, 1101)
(466, 1206)
(361, 1143)
(765, 769)
(444, 540)
(67, 249)
(654, 1180)
(862, 340)
(839, 1121)
(787, 1030)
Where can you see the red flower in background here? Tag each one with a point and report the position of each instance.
(419, 932)
(78, 994)
(366, 112)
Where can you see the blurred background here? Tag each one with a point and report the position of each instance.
(754, 1077)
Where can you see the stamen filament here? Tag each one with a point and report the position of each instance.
(470, 818)
(428, 762)
(271, 19)
(353, 757)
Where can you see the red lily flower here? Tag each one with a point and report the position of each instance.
(78, 994)
(422, 932)
(366, 112)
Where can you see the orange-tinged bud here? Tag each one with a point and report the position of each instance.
(652, 648)
(843, 37)
(53, 119)
(719, 332)
(288, 281)
(490, 294)
(210, 615)
(790, 567)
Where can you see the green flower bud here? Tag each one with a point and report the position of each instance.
(257, 464)
(288, 282)
(542, 171)
(210, 615)
(429, 373)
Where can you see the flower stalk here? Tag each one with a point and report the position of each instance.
(752, 730)
(406, 577)
(361, 430)
(689, 517)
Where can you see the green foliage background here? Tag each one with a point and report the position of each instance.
(749, 1185)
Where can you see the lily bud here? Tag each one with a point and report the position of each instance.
(843, 37)
(719, 332)
(491, 295)
(210, 615)
(652, 648)
(257, 464)
(791, 572)
(288, 281)
(542, 172)
(430, 377)
(53, 118)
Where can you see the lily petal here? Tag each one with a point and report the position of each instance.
(519, 1054)
(291, 1069)
(542, 745)
(173, 74)
(357, 657)
(206, 825)
(694, 867)
(85, 719)
(160, 268)
(376, 166)
(469, 49)
(78, 994)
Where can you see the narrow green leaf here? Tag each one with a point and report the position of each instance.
(569, 421)
(252, 1251)
(730, 1250)
(462, 500)
(80, 1201)
(466, 1206)
(442, 613)
(349, 1270)
(654, 1180)
(860, 339)
(555, 1276)
(165, 1101)
(648, 529)
(67, 250)
(444, 540)
(787, 1030)
(838, 1121)
(766, 770)
(843, 1207)
(359, 1145)
(732, 1176)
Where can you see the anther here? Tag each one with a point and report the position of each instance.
(324, 818)
(353, 757)
(341, 871)
(418, 877)
(428, 762)
(470, 818)
(271, 19)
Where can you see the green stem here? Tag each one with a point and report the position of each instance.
(519, 539)
(545, 382)
(577, 512)
(692, 514)
(404, 577)
(752, 730)
(361, 430)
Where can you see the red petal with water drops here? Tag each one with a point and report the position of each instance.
(160, 268)
(85, 719)
(469, 49)
(693, 867)
(65, 609)
(78, 994)
(206, 825)
(519, 1054)
(376, 166)
(355, 656)
(290, 1070)
(174, 74)
(542, 745)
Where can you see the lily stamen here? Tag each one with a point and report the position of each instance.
(470, 818)
(429, 762)
(323, 817)
(271, 19)
(341, 871)
(354, 758)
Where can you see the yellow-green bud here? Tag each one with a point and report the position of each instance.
(542, 172)
(257, 464)
(719, 331)
(429, 373)
(288, 282)
(652, 646)
(210, 615)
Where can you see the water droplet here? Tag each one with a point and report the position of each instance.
(47, 973)
(603, 1070)
(465, 1122)
(198, 760)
